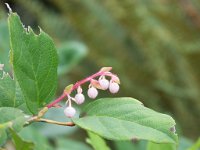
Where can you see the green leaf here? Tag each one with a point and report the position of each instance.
(3, 136)
(12, 118)
(155, 146)
(10, 94)
(68, 144)
(21, 144)
(195, 146)
(126, 119)
(130, 145)
(70, 53)
(97, 142)
(34, 61)
(33, 135)
(4, 46)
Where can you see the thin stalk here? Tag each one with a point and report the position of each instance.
(54, 122)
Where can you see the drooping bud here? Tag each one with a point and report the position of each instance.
(104, 83)
(92, 92)
(69, 112)
(113, 87)
(79, 98)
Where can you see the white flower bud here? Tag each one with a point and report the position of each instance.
(79, 98)
(114, 87)
(92, 92)
(104, 83)
(70, 112)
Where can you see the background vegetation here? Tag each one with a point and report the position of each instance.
(152, 45)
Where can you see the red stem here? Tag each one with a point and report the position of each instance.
(57, 100)
(75, 86)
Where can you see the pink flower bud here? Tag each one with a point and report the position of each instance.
(114, 87)
(104, 83)
(70, 112)
(92, 92)
(79, 98)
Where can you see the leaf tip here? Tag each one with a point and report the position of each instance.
(30, 30)
(9, 9)
(40, 29)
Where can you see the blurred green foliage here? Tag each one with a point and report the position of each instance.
(4, 44)
(97, 142)
(196, 145)
(152, 45)
(67, 144)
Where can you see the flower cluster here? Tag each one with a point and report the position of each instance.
(101, 84)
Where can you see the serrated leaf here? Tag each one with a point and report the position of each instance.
(10, 92)
(97, 142)
(4, 46)
(21, 144)
(34, 61)
(126, 119)
(12, 118)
